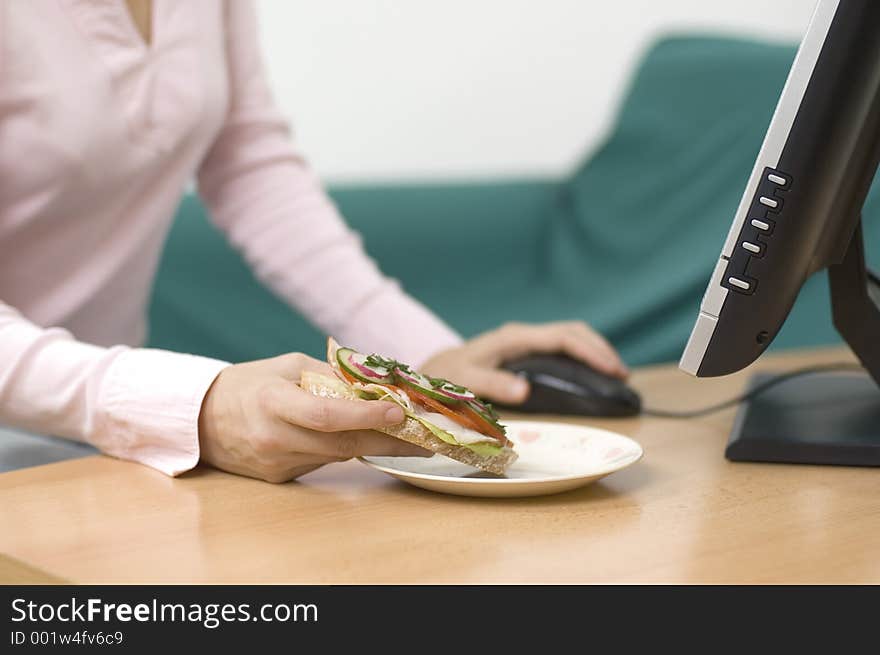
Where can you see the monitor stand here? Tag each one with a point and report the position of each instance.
(824, 418)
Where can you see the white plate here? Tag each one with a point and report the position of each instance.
(553, 457)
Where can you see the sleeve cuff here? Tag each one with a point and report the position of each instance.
(149, 405)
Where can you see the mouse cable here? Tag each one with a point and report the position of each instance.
(756, 391)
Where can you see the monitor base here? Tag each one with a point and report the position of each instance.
(826, 418)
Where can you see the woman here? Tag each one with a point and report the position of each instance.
(107, 110)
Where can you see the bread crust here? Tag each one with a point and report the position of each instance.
(413, 431)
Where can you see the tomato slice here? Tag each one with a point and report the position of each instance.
(440, 408)
(462, 415)
(486, 427)
(353, 380)
(348, 376)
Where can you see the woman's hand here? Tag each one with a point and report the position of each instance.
(257, 421)
(475, 363)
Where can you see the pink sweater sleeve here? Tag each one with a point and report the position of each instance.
(274, 209)
(135, 404)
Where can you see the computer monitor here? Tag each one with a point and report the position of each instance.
(801, 213)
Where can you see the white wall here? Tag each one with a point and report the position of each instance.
(404, 89)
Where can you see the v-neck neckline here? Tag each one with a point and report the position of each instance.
(133, 28)
(111, 22)
(111, 33)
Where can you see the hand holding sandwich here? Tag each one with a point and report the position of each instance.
(256, 421)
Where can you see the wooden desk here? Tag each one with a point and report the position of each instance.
(683, 514)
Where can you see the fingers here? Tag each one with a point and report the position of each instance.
(497, 385)
(592, 348)
(328, 427)
(345, 445)
(297, 407)
(575, 339)
(291, 366)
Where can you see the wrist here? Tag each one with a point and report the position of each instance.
(210, 417)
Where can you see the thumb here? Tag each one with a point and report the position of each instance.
(291, 366)
(500, 386)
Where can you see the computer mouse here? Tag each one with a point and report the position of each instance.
(562, 385)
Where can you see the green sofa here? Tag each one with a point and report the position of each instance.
(626, 242)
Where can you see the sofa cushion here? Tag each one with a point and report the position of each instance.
(640, 224)
(627, 242)
(206, 301)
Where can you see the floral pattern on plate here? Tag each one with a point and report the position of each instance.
(553, 457)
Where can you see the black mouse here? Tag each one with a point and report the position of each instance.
(562, 385)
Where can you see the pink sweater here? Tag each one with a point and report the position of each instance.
(100, 133)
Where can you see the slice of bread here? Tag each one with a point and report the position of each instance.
(411, 430)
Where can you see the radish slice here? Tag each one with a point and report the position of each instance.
(367, 368)
(454, 391)
(377, 373)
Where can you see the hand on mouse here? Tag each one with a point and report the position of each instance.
(475, 363)
(257, 421)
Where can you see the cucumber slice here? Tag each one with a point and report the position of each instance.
(363, 367)
(421, 383)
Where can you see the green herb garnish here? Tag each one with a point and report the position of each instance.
(440, 383)
(376, 361)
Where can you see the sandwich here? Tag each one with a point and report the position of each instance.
(441, 416)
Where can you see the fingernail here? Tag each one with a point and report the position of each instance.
(394, 415)
(519, 388)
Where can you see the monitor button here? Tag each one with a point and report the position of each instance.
(769, 202)
(751, 247)
(761, 225)
(777, 179)
(742, 284)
